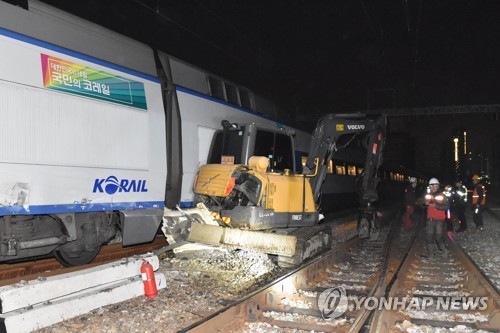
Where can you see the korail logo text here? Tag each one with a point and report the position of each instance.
(112, 184)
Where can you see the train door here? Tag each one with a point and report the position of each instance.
(228, 147)
(205, 135)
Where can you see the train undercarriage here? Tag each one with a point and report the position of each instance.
(74, 238)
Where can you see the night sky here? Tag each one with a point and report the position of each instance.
(325, 55)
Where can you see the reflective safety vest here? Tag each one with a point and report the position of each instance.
(432, 212)
(462, 193)
(477, 194)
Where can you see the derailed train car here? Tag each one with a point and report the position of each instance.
(100, 133)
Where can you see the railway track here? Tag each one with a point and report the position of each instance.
(365, 273)
(11, 273)
(490, 265)
(443, 283)
(291, 302)
(30, 270)
(357, 267)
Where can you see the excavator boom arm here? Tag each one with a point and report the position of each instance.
(324, 145)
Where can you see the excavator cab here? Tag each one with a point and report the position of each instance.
(235, 144)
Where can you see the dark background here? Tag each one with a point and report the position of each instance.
(325, 55)
(319, 57)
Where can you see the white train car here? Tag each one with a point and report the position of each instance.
(83, 131)
(204, 101)
(100, 133)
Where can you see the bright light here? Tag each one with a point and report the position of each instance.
(465, 142)
(455, 141)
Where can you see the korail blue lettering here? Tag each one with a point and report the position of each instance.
(132, 186)
(98, 185)
(123, 186)
(111, 185)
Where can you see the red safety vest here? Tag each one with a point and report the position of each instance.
(432, 212)
(475, 195)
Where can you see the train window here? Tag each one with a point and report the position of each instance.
(304, 160)
(245, 99)
(232, 94)
(340, 170)
(391, 175)
(276, 146)
(229, 145)
(351, 170)
(330, 167)
(360, 170)
(216, 88)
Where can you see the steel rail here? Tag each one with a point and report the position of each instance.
(31, 270)
(250, 306)
(420, 275)
(380, 288)
(294, 286)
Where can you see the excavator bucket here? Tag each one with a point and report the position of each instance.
(374, 234)
(177, 223)
(368, 226)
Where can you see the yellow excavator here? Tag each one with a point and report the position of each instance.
(248, 206)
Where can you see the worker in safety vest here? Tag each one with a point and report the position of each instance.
(410, 200)
(459, 202)
(437, 205)
(448, 192)
(478, 201)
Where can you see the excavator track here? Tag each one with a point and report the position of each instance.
(292, 246)
(311, 241)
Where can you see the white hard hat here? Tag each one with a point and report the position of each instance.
(433, 181)
(413, 180)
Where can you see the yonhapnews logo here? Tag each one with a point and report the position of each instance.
(333, 303)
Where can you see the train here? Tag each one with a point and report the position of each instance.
(101, 133)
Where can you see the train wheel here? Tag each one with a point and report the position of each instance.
(68, 259)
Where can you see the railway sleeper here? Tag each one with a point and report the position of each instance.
(439, 323)
(294, 325)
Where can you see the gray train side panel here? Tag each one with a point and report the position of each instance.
(188, 76)
(44, 22)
